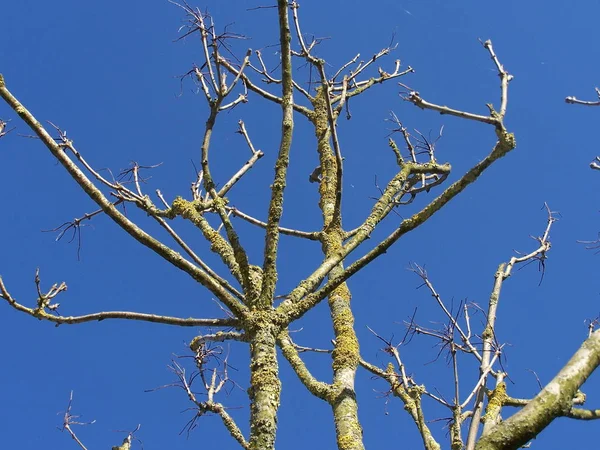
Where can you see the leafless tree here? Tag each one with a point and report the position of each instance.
(253, 314)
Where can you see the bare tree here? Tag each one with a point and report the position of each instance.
(252, 312)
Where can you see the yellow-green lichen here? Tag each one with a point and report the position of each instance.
(265, 388)
(346, 352)
(255, 278)
(496, 400)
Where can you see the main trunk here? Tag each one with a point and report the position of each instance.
(265, 389)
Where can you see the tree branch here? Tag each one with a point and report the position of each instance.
(583, 414)
(410, 396)
(318, 388)
(41, 313)
(313, 236)
(97, 196)
(301, 299)
(283, 159)
(553, 401)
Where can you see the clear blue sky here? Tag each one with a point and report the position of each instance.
(106, 72)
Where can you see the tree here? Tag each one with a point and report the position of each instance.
(263, 294)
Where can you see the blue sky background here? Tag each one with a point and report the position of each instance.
(106, 72)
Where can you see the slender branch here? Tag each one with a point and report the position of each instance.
(68, 143)
(256, 155)
(42, 314)
(583, 414)
(410, 396)
(344, 67)
(576, 101)
(240, 265)
(69, 419)
(504, 271)
(495, 118)
(245, 62)
(420, 271)
(482, 379)
(220, 336)
(416, 99)
(313, 236)
(242, 98)
(213, 387)
(318, 388)
(361, 86)
(305, 50)
(505, 78)
(283, 157)
(263, 93)
(197, 20)
(240, 173)
(222, 281)
(362, 66)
